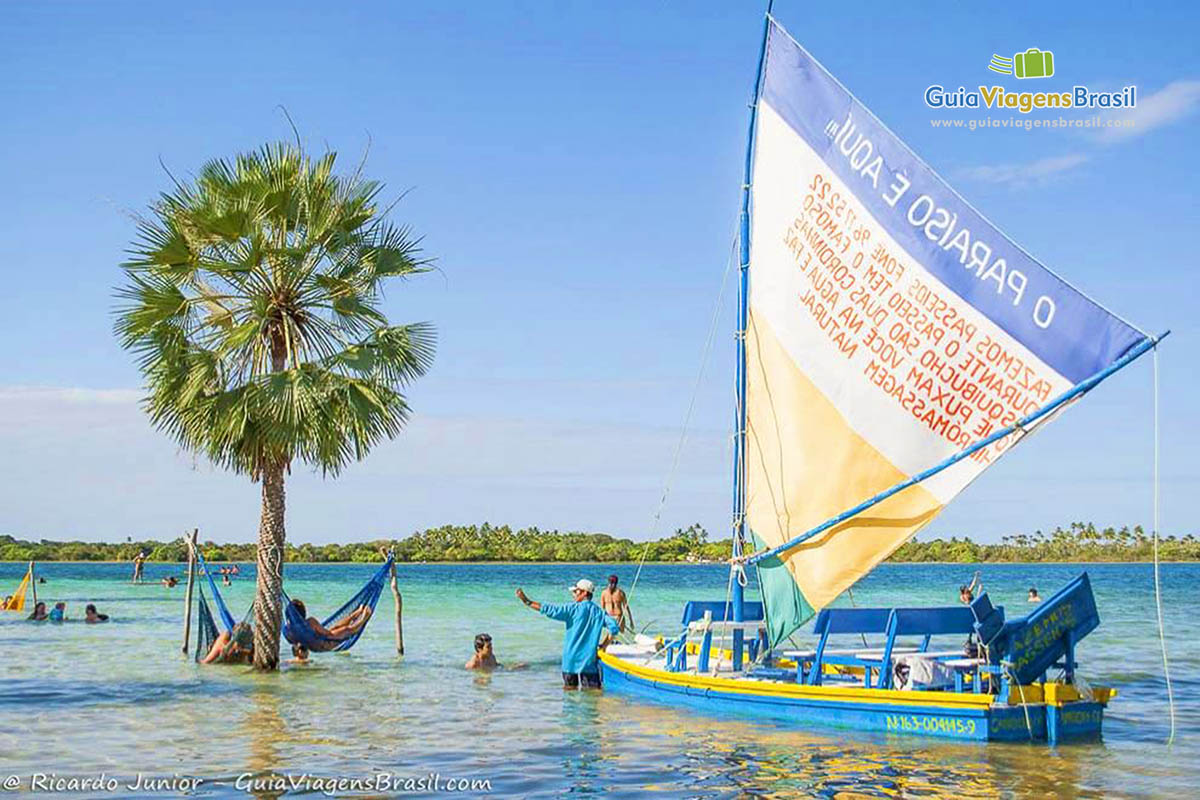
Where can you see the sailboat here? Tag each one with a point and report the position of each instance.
(892, 345)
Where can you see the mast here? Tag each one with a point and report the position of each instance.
(739, 466)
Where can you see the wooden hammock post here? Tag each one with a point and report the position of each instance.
(191, 580)
(399, 612)
(33, 584)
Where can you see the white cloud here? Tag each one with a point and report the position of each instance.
(1033, 172)
(1173, 102)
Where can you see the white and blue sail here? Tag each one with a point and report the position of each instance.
(888, 327)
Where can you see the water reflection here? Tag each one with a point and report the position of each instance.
(713, 757)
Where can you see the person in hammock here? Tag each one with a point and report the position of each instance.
(232, 647)
(343, 629)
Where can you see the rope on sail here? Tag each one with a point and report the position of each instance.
(1162, 633)
(687, 419)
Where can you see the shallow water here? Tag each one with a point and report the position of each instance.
(78, 700)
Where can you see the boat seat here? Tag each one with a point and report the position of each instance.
(926, 622)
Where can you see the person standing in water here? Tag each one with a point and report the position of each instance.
(586, 624)
(616, 604)
(139, 563)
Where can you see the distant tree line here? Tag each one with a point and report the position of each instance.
(1077, 542)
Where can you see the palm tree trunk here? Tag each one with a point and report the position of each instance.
(268, 604)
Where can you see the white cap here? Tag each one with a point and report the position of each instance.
(583, 585)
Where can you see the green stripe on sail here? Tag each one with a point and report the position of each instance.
(785, 607)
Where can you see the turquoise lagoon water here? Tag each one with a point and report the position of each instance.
(121, 700)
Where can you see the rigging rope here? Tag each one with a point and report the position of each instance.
(687, 419)
(1162, 633)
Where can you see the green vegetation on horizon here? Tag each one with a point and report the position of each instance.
(455, 543)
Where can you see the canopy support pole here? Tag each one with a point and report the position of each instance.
(1146, 345)
(190, 539)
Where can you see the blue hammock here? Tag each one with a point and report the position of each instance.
(297, 630)
(206, 624)
(295, 627)
(226, 618)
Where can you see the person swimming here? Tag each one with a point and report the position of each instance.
(484, 658)
(91, 616)
(56, 613)
(299, 654)
(353, 623)
(232, 647)
(39, 612)
(170, 581)
(1034, 597)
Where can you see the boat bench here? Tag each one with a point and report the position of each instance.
(926, 622)
(962, 668)
(876, 664)
(703, 617)
(835, 622)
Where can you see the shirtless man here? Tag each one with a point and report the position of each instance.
(615, 604)
(484, 658)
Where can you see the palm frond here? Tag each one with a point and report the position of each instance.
(252, 301)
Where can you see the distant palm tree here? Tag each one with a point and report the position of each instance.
(253, 304)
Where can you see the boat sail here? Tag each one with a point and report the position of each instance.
(890, 326)
(893, 344)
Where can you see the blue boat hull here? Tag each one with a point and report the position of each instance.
(939, 714)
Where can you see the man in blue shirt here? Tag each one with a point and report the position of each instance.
(586, 623)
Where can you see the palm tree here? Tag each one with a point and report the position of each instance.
(252, 301)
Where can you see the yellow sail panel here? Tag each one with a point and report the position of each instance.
(805, 464)
(17, 601)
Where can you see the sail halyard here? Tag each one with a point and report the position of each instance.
(888, 327)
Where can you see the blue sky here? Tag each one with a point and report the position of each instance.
(575, 169)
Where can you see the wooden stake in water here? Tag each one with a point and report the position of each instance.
(187, 596)
(33, 584)
(399, 613)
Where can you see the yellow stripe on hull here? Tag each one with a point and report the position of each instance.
(849, 694)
